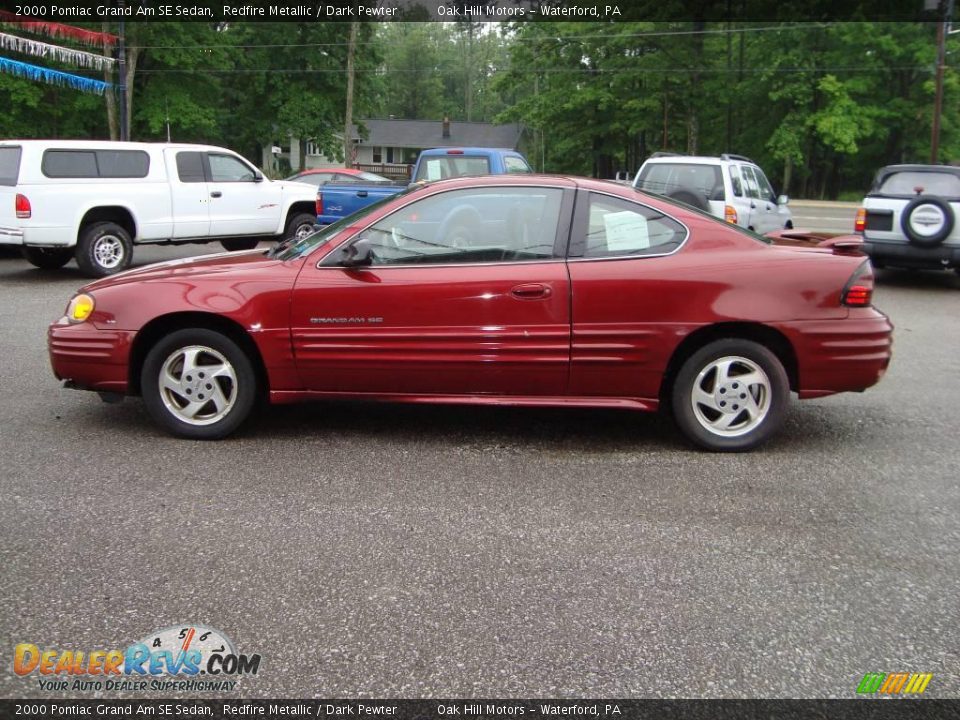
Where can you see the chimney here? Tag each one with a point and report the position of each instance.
(446, 127)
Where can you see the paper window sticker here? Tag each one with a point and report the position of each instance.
(627, 231)
(433, 170)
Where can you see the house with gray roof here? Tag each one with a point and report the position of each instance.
(392, 146)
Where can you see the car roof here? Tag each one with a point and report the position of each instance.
(890, 169)
(80, 144)
(316, 171)
(691, 160)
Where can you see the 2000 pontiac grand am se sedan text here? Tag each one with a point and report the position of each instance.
(530, 290)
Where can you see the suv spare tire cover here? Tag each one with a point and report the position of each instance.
(690, 197)
(927, 220)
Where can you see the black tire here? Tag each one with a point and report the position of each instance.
(752, 411)
(932, 204)
(690, 198)
(300, 225)
(47, 258)
(237, 244)
(223, 401)
(103, 249)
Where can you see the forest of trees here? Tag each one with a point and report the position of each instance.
(819, 106)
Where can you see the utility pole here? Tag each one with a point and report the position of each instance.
(938, 93)
(122, 57)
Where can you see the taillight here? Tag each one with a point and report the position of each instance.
(858, 292)
(730, 214)
(860, 224)
(319, 204)
(23, 206)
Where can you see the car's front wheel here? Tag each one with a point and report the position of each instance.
(730, 395)
(238, 244)
(300, 226)
(198, 384)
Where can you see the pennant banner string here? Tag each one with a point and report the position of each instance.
(54, 77)
(57, 30)
(54, 52)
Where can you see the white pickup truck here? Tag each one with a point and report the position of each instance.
(93, 200)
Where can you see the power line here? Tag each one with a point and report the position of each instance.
(517, 38)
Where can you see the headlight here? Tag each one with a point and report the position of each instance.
(80, 308)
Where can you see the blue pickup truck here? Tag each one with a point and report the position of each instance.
(337, 201)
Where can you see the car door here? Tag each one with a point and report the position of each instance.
(625, 309)
(189, 194)
(763, 205)
(467, 293)
(777, 215)
(240, 203)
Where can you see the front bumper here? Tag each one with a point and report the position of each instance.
(88, 357)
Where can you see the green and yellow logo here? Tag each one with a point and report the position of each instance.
(894, 683)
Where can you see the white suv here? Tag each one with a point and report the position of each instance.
(730, 187)
(908, 218)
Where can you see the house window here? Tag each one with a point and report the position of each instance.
(377, 154)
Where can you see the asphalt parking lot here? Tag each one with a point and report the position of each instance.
(401, 551)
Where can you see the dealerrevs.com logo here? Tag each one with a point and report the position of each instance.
(178, 658)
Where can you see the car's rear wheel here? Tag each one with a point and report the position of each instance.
(198, 384)
(236, 244)
(730, 395)
(47, 258)
(300, 226)
(103, 249)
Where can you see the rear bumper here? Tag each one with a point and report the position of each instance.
(11, 236)
(845, 355)
(38, 236)
(901, 254)
(90, 358)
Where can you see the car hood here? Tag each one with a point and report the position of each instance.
(194, 266)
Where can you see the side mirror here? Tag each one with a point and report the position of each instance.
(783, 200)
(257, 176)
(358, 254)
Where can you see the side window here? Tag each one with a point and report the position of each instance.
(190, 167)
(481, 225)
(123, 163)
(753, 189)
(614, 227)
(515, 165)
(69, 164)
(766, 189)
(735, 182)
(226, 168)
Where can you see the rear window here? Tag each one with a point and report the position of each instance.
(666, 178)
(933, 183)
(451, 166)
(95, 164)
(9, 165)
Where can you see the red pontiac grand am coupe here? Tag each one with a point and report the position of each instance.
(504, 290)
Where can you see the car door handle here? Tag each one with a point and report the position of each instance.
(361, 193)
(531, 291)
(216, 193)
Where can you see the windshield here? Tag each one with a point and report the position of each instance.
(291, 250)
